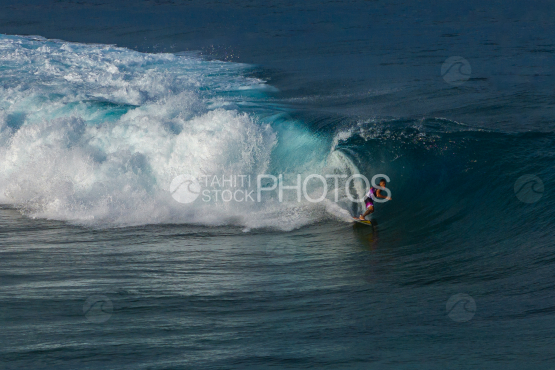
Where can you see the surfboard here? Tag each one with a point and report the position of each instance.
(365, 222)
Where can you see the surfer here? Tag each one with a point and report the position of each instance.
(369, 199)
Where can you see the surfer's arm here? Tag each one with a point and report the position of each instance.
(379, 195)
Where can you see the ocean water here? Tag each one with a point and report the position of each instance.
(107, 263)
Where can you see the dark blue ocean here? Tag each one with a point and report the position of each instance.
(136, 136)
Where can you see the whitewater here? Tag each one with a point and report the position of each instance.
(94, 134)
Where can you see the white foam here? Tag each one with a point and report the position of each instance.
(94, 134)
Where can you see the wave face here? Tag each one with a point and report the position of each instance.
(95, 134)
(455, 182)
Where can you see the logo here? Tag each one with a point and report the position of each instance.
(461, 307)
(98, 309)
(185, 188)
(456, 70)
(376, 186)
(313, 188)
(528, 188)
